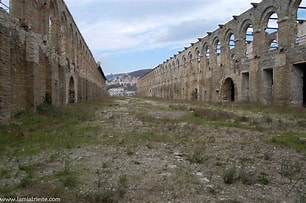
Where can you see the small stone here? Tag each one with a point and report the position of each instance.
(199, 174)
(204, 180)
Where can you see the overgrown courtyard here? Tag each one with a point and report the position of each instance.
(142, 150)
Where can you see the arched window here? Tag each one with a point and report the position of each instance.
(273, 45)
(231, 42)
(190, 60)
(207, 52)
(301, 19)
(184, 60)
(198, 54)
(272, 25)
(249, 38)
(272, 30)
(218, 47)
(5, 5)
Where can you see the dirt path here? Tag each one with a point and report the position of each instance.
(156, 151)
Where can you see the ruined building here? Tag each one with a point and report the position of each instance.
(44, 56)
(258, 56)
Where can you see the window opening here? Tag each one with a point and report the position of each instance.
(272, 26)
(301, 19)
(232, 41)
(249, 40)
(207, 52)
(218, 47)
(5, 5)
(273, 45)
(272, 29)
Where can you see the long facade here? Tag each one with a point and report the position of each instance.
(44, 56)
(258, 56)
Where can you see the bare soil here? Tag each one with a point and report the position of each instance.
(159, 151)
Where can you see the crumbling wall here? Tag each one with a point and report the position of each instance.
(261, 52)
(43, 54)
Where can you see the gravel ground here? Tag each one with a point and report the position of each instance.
(157, 151)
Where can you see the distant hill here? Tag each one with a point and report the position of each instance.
(135, 74)
(139, 73)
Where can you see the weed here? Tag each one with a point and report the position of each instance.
(290, 169)
(28, 169)
(138, 139)
(220, 163)
(25, 182)
(243, 119)
(301, 198)
(210, 114)
(229, 175)
(7, 191)
(263, 179)
(107, 196)
(246, 176)
(103, 175)
(44, 107)
(267, 119)
(67, 176)
(122, 186)
(105, 191)
(290, 141)
(4, 173)
(129, 152)
(213, 190)
(198, 156)
(183, 176)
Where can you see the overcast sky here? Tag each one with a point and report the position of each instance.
(127, 35)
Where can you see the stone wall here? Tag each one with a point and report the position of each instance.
(258, 56)
(43, 54)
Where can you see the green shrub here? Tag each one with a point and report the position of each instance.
(229, 175)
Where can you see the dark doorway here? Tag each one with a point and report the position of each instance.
(245, 86)
(268, 80)
(71, 91)
(300, 83)
(194, 94)
(228, 90)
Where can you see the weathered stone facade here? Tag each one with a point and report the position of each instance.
(258, 56)
(43, 54)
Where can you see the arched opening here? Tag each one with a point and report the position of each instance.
(184, 61)
(71, 91)
(301, 19)
(190, 60)
(218, 47)
(273, 45)
(198, 54)
(228, 90)
(300, 83)
(272, 31)
(249, 38)
(5, 5)
(217, 50)
(194, 94)
(231, 42)
(207, 53)
(272, 25)
(268, 80)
